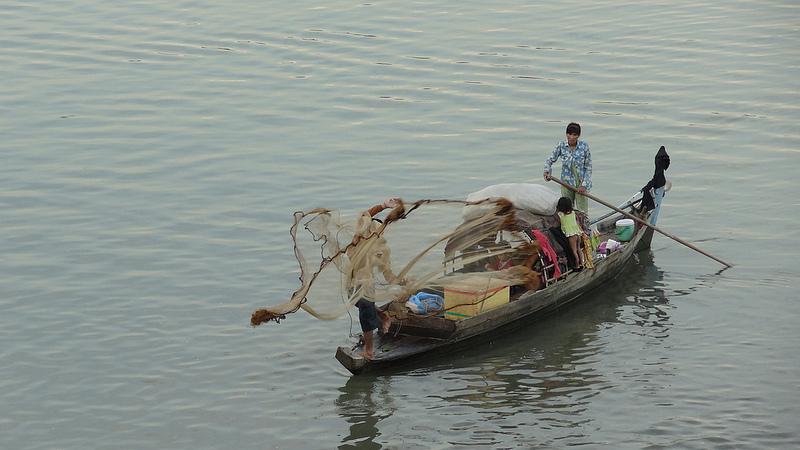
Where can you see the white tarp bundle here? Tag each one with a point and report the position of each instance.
(536, 198)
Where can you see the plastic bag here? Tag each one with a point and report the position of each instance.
(608, 247)
(595, 238)
(425, 303)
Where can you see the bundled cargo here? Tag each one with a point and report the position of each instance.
(534, 198)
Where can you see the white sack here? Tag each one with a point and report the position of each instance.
(535, 198)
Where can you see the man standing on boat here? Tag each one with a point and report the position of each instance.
(367, 254)
(576, 167)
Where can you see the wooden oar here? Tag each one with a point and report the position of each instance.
(631, 216)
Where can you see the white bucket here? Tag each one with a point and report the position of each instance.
(625, 229)
(622, 223)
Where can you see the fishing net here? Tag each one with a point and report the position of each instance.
(426, 244)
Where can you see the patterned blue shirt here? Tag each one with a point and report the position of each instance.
(580, 158)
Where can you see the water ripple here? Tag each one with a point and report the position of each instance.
(154, 152)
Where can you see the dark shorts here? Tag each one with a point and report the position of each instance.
(368, 315)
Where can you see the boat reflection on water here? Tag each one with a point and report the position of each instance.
(363, 402)
(545, 371)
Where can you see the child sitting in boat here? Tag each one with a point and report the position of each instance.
(569, 225)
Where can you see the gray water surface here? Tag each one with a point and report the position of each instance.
(153, 154)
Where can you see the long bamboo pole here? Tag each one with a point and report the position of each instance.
(645, 223)
(606, 216)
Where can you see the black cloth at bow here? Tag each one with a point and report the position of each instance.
(659, 180)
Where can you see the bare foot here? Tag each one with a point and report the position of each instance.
(367, 355)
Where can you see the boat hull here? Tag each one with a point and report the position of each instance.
(528, 306)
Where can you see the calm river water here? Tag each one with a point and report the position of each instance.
(153, 154)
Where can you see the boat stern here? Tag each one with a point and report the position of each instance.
(351, 361)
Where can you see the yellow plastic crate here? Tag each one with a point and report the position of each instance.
(471, 299)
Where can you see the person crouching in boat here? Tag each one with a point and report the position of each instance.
(367, 253)
(501, 261)
(569, 225)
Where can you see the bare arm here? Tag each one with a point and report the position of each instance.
(391, 202)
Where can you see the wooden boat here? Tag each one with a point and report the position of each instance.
(416, 335)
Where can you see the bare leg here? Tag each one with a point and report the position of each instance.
(573, 243)
(368, 345)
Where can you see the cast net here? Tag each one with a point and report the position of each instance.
(417, 246)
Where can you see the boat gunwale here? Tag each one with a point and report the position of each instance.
(552, 297)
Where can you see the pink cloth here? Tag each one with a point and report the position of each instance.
(549, 252)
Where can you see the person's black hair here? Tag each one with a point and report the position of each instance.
(574, 128)
(564, 205)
